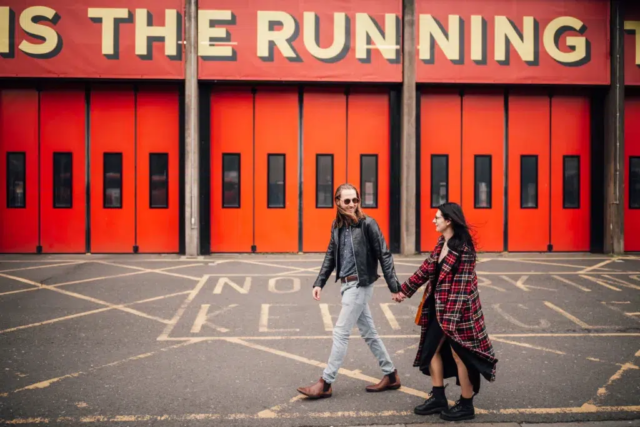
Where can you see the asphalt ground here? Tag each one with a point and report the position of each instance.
(226, 340)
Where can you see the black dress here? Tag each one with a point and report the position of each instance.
(474, 364)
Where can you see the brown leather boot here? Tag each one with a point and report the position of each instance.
(388, 382)
(319, 390)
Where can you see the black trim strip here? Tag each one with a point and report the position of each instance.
(550, 245)
(300, 166)
(505, 184)
(182, 245)
(418, 171)
(205, 169)
(395, 170)
(39, 246)
(254, 248)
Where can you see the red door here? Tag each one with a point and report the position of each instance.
(231, 170)
(112, 169)
(482, 167)
(440, 150)
(158, 172)
(62, 168)
(529, 124)
(368, 153)
(570, 170)
(276, 169)
(632, 175)
(19, 165)
(325, 141)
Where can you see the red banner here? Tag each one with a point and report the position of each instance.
(301, 40)
(507, 41)
(111, 39)
(632, 44)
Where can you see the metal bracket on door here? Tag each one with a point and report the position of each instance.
(254, 248)
(550, 248)
(38, 249)
(136, 249)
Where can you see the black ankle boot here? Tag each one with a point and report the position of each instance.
(436, 403)
(462, 410)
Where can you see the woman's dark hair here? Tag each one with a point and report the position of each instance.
(462, 232)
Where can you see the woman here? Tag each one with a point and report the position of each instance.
(453, 340)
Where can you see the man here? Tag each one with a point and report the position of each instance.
(355, 248)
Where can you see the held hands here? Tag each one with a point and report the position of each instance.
(316, 293)
(399, 297)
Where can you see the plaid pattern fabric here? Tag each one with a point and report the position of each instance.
(458, 308)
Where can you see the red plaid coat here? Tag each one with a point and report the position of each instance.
(458, 308)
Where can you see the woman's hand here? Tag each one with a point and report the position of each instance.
(399, 297)
(316, 293)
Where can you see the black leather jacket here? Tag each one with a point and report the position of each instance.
(370, 248)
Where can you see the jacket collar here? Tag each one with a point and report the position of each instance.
(447, 263)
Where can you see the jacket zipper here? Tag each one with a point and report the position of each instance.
(353, 248)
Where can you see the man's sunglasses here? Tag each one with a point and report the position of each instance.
(348, 201)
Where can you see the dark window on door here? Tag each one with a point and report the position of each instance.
(276, 185)
(231, 180)
(369, 180)
(112, 197)
(62, 180)
(529, 182)
(439, 180)
(159, 180)
(571, 182)
(482, 182)
(324, 181)
(634, 183)
(16, 180)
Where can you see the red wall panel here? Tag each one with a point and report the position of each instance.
(368, 133)
(325, 132)
(112, 131)
(158, 132)
(19, 133)
(631, 148)
(440, 134)
(276, 132)
(529, 126)
(570, 136)
(62, 124)
(483, 134)
(232, 132)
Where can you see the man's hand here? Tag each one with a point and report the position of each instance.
(399, 297)
(316, 293)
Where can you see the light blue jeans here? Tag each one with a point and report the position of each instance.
(355, 310)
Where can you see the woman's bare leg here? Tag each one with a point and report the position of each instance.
(435, 367)
(463, 376)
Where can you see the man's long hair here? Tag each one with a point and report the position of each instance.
(342, 216)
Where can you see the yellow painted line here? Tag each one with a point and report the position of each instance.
(601, 264)
(93, 279)
(585, 409)
(633, 314)
(638, 353)
(601, 283)
(272, 412)
(20, 279)
(535, 347)
(328, 337)
(520, 284)
(393, 322)
(87, 313)
(569, 282)
(348, 373)
(602, 391)
(150, 270)
(42, 266)
(267, 264)
(622, 282)
(571, 317)
(545, 263)
(547, 273)
(411, 347)
(326, 317)
(172, 323)
(48, 383)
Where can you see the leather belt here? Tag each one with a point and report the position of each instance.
(349, 279)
